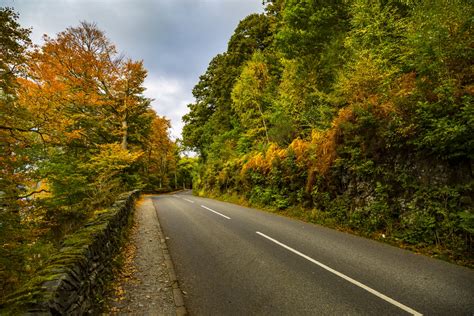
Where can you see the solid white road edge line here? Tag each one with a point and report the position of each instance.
(207, 208)
(188, 200)
(345, 277)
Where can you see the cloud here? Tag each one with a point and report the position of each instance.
(176, 39)
(169, 100)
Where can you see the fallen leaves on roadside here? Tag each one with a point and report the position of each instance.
(124, 274)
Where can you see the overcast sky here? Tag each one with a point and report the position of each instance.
(175, 38)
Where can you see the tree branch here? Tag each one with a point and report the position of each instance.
(17, 129)
(34, 192)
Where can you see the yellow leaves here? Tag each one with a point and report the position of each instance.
(295, 85)
(227, 172)
(42, 189)
(405, 85)
(78, 87)
(366, 77)
(274, 152)
(316, 155)
(344, 115)
(248, 95)
(75, 134)
(300, 148)
(325, 148)
(324, 143)
(112, 158)
(160, 156)
(263, 163)
(256, 162)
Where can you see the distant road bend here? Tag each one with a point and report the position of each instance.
(233, 260)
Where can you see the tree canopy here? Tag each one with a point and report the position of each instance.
(357, 112)
(75, 132)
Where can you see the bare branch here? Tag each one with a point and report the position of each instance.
(32, 193)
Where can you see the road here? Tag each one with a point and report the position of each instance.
(233, 260)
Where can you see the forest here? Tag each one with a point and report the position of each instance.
(75, 132)
(353, 114)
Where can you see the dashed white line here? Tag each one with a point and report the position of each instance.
(207, 208)
(345, 277)
(190, 201)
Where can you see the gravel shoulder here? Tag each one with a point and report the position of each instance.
(143, 285)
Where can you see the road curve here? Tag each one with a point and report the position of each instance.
(233, 260)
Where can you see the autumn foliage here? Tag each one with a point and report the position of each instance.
(353, 114)
(76, 131)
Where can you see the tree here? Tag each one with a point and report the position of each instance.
(14, 127)
(186, 168)
(15, 146)
(308, 26)
(211, 124)
(248, 98)
(86, 99)
(130, 94)
(160, 155)
(75, 131)
(361, 109)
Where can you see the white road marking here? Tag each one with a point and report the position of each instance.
(345, 277)
(207, 208)
(188, 200)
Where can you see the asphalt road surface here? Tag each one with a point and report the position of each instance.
(233, 260)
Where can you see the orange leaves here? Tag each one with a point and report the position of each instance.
(316, 155)
(301, 150)
(80, 90)
(263, 163)
(325, 149)
(160, 156)
(274, 153)
(159, 143)
(82, 56)
(73, 135)
(405, 85)
(256, 162)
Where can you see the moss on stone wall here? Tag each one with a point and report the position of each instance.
(74, 277)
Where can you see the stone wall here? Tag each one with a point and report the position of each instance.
(74, 278)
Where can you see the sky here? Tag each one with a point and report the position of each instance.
(176, 39)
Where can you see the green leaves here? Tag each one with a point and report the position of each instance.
(446, 129)
(248, 96)
(13, 43)
(212, 115)
(467, 221)
(75, 131)
(358, 109)
(308, 26)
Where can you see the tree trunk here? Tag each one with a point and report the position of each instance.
(124, 125)
(124, 134)
(264, 123)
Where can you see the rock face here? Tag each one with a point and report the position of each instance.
(73, 278)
